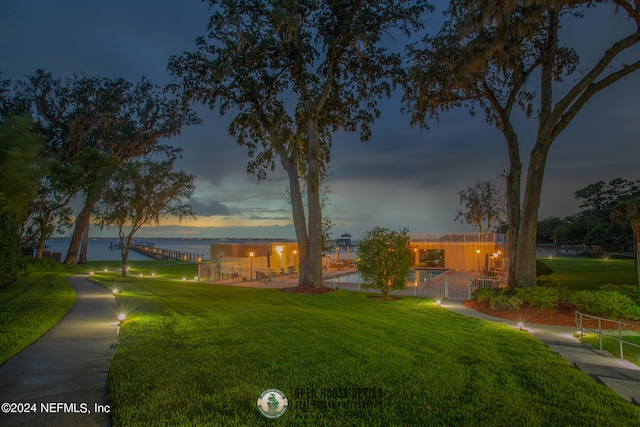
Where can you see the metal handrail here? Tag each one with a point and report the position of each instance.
(579, 317)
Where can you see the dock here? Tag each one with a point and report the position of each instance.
(162, 254)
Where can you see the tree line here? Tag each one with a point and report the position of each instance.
(605, 222)
(293, 73)
(98, 141)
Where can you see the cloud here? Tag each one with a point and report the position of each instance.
(209, 208)
(402, 177)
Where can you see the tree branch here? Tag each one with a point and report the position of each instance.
(594, 88)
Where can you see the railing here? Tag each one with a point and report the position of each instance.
(579, 322)
(237, 274)
(448, 285)
(457, 237)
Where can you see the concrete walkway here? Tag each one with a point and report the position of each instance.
(64, 372)
(620, 375)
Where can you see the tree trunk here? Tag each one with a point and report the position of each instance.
(525, 268)
(40, 248)
(76, 237)
(299, 218)
(124, 250)
(85, 242)
(513, 200)
(44, 223)
(314, 272)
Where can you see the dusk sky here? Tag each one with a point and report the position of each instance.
(403, 177)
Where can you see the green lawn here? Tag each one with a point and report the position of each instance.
(591, 273)
(201, 354)
(35, 303)
(631, 352)
(30, 307)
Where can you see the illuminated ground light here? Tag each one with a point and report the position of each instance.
(520, 325)
(184, 278)
(195, 277)
(121, 317)
(115, 292)
(140, 274)
(91, 273)
(106, 270)
(438, 303)
(153, 274)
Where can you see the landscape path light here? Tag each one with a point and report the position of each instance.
(121, 318)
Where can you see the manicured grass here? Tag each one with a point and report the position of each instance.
(200, 354)
(591, 273)
(30, 307)
(161, 269)
(630, 352)
(35, 303)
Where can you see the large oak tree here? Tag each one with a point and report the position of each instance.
(500, 56)
(117, 119)
(292, 73)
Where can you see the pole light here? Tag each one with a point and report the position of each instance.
(251, 254)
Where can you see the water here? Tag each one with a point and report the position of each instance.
(98, 248)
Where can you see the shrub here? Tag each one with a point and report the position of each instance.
(540, 297)
(542, 269)
(609, 304)
(42, 265)
(631, 291)
(485, 294)
(385, 259)
(9, 242)
(506, 301)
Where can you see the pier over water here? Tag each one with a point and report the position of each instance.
(162, 254)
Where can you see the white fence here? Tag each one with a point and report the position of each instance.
(449, 284)
(238, 274)
(452, 285)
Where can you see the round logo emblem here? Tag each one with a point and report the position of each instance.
(272, 403)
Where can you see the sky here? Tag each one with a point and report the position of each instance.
(403, 177)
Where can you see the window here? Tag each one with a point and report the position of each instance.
(432, 258)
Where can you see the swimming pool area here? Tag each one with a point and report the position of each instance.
(416, 275)
(431, 283)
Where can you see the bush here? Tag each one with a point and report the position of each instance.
(9, 242)
(485, 294)
(42, 265)
(542, 269)
(506, 301)
(540, 297)
(609, 304)
(498, 299)
(631, 291)
(385, 259)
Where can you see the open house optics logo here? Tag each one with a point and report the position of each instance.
(272, 403)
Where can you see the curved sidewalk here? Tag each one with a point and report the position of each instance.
(64, 372)
(620, 375)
